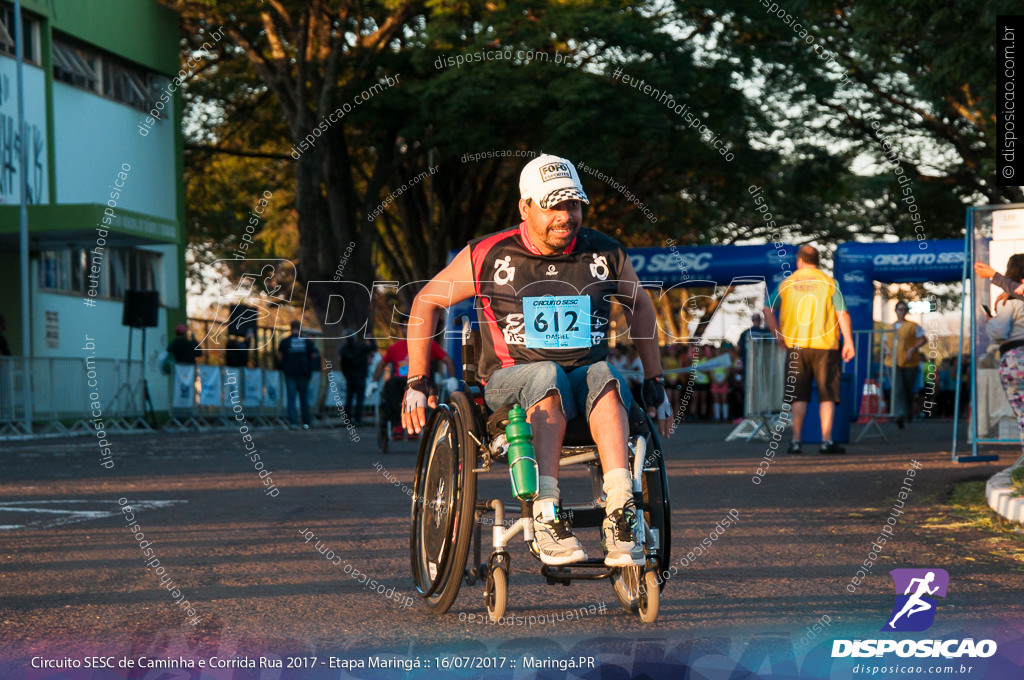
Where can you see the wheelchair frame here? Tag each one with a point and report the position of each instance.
(446, 515)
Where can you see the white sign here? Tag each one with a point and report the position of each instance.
(1008, 225)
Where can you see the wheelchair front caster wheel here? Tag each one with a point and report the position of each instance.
(650, 598)
(496, 593)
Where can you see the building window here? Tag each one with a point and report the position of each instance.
(78, 66)
(126, 84)
(105, 74)
(110, 273)
(30, 30)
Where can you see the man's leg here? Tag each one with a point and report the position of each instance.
(899, 399)
(799, 373)
(538, 388)
(609, 427)
(799, 411)
(360, 394)
(289, 383)
(302, 382)
(827, 411)
(548, 423)
(828, 370)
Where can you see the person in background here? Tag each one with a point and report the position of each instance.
(756, 330)
(701, 381)
(1007, 329)
(946, 388)
(812, 344)
(298, 358)
(183, 348)
(720, 385)
(907, 340)
(634, 372)
(396, 358)
(1013, 289)
(617, 358)
(355, 367)
(737, 391)
(237, 353)
(670, 364)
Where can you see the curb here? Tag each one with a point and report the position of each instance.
(998, 492)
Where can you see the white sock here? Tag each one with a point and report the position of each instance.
(718, 411)
(618, 487)
(547, 496)
(725, 411)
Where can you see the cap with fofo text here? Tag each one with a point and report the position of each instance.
(548, 180)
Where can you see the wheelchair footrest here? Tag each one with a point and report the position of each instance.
(565, 574)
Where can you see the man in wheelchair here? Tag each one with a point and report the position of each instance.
(544, 290)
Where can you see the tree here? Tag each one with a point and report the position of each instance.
(894, 102)
(392, 171)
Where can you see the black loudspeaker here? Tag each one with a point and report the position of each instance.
(242, 318)
(141, 308)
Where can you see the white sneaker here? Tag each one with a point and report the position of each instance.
(552, 534)
(618, 538)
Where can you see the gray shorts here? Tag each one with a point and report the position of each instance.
(578, 388)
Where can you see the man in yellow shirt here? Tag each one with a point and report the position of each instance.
(813, 315)
(906, 341)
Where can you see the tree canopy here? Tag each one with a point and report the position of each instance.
(417, 117)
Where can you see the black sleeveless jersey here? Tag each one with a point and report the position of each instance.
(527, 301)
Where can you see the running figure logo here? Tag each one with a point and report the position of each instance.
(914, 609)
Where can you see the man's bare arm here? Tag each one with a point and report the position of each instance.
(452, 285)
(846, 328)
(643, 329)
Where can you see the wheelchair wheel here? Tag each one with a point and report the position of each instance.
(496, 593)
(657, 512)
(650, 598)
(443, 504)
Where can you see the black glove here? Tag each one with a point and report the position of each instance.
(655, 397)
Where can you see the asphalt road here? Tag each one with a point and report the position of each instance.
(73, 578)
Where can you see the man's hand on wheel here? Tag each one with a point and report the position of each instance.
(658, 407)
(414, 405)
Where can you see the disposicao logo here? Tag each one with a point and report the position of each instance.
(915, 608)
(914, 611)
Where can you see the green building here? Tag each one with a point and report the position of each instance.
(105, 185)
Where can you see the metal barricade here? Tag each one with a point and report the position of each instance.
(764, 385)
(70, 395)
(873, 348)
(12, 391)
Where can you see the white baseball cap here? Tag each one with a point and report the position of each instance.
(548, 180)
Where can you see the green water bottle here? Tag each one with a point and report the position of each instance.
(521, 462)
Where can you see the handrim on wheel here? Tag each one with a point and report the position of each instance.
(442, 505)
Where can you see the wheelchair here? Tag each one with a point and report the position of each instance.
(463, 439)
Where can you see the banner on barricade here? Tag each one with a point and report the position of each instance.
(232, 382)
(253, 386)
(209, 385)
(184, 387)
(272, 381)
